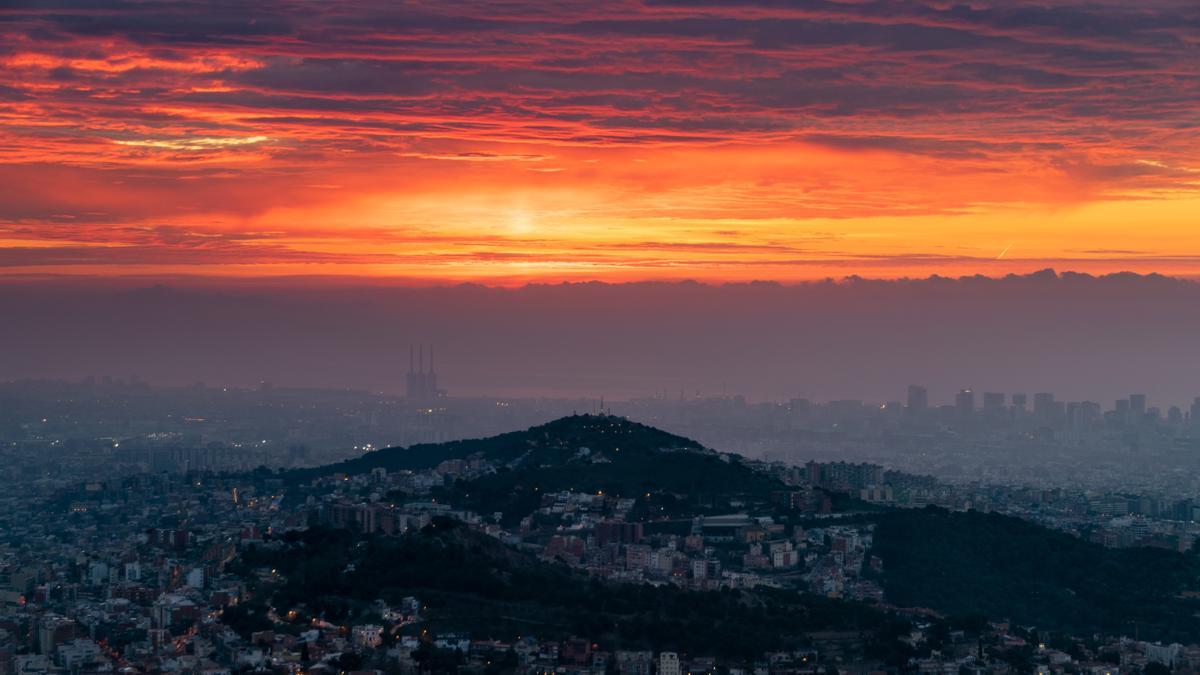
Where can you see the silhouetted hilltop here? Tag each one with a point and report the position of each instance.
(554, 443)
(598, 454)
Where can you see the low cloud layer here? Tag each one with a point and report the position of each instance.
(1079, 336)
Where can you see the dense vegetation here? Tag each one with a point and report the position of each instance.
(703, 481)
(1005, 567)
(581, 453)
(469, 581)
(956, 563)
(553, 442)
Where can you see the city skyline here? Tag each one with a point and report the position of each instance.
(644, 337)
(420, 387)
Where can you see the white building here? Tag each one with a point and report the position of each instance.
(668, 663)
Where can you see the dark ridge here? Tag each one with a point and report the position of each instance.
(1007, 568)
(550, 443)
(470, 582)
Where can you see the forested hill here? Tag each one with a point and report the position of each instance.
(552, 443)
(1007, 568)
(581, 453)
(470, 582)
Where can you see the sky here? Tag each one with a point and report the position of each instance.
(511, 142)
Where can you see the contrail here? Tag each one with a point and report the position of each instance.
(1004, 251)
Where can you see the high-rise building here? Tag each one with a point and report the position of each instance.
(1121, 410)
(918, 400)
(1082, 415)
(1137, 405)
(1043, 407)
(964, 403)
(668, 663)
(1019, 401)
(798, 407)
(993, 403)
(1174, 415)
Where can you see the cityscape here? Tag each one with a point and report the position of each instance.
(141, 520)
(638, 337)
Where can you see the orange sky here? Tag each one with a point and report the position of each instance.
(509, 142)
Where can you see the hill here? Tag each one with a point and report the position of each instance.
(1004, 567)
(956, 563)
(550, 443)
(471, 582)
(581, 453)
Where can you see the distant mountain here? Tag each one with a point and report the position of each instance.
(1008, 568)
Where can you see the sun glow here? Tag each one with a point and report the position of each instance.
(307, 145)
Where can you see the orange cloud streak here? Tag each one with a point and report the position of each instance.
(709, 139)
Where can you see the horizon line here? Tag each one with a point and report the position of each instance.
(333, 281)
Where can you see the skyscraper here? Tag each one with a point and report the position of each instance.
(1121, 410)
(993, 404)
(1137, 405)
(964, 403)
(1043, 407)
(918, 400)
(1018, 403)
